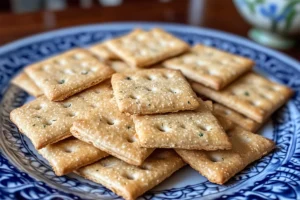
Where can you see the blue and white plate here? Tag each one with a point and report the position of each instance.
(26, 175)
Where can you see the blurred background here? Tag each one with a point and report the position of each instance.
(21, 18)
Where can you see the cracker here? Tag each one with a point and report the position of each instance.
(102, 51)
(23, 81)
(70, 154)
(130, 181)
(45, 122)
(143, 48)
(209, 66)
(153, 91)
(197, 129)
(66, 74)
(219, 166)
(111, 131)
(251, 95)
(237, 118)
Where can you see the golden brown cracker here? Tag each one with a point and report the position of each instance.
(251, 95)
(197, 129)
(66, 74)
(70, 154)
(219, 166)
(209, 66)
(130, 181)
(153, 91)
(142, 48)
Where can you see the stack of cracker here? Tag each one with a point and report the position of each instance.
(101, 114)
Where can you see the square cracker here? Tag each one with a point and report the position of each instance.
(197, 129)
(102, 51)
(111, 131)
(70, 154)
(252, 95)
(219, 166)
(209, 66)
(143, 48)
(66, 74)
(45, 122)
(130, 181)
(23, 81)
(237, 118)
(153, 91)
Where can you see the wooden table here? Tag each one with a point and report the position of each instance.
(216, 14)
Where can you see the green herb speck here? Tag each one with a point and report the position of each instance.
(128, 127)
(246, 93)
(33, 125)
(84, 72)
(61, 81)
(189, 102)
(45, 125)
(149, 104)
(128, 78)
(201, 134)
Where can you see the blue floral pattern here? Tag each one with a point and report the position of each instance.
(25, 175)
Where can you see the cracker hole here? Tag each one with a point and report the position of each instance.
(202, 127)
(61, 62)
(215, 157)
(253, 103)
(78, 56)
(68, 71)
(84, 72)
(97, 91)
(46, 67)
(166, 76)
(148, 89)
(110, 122)
(150, 78)
(162, 128)
(62, 81)
(128, 78)
(67, 105)
(93, 106)
(68, 150)
(174, 91)
(145, 167)
(48, 123)
(131, 139)
(108, 164)
(39, 107)
(182, 126)
(71, 114)
(133, 96)
(129, 176)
